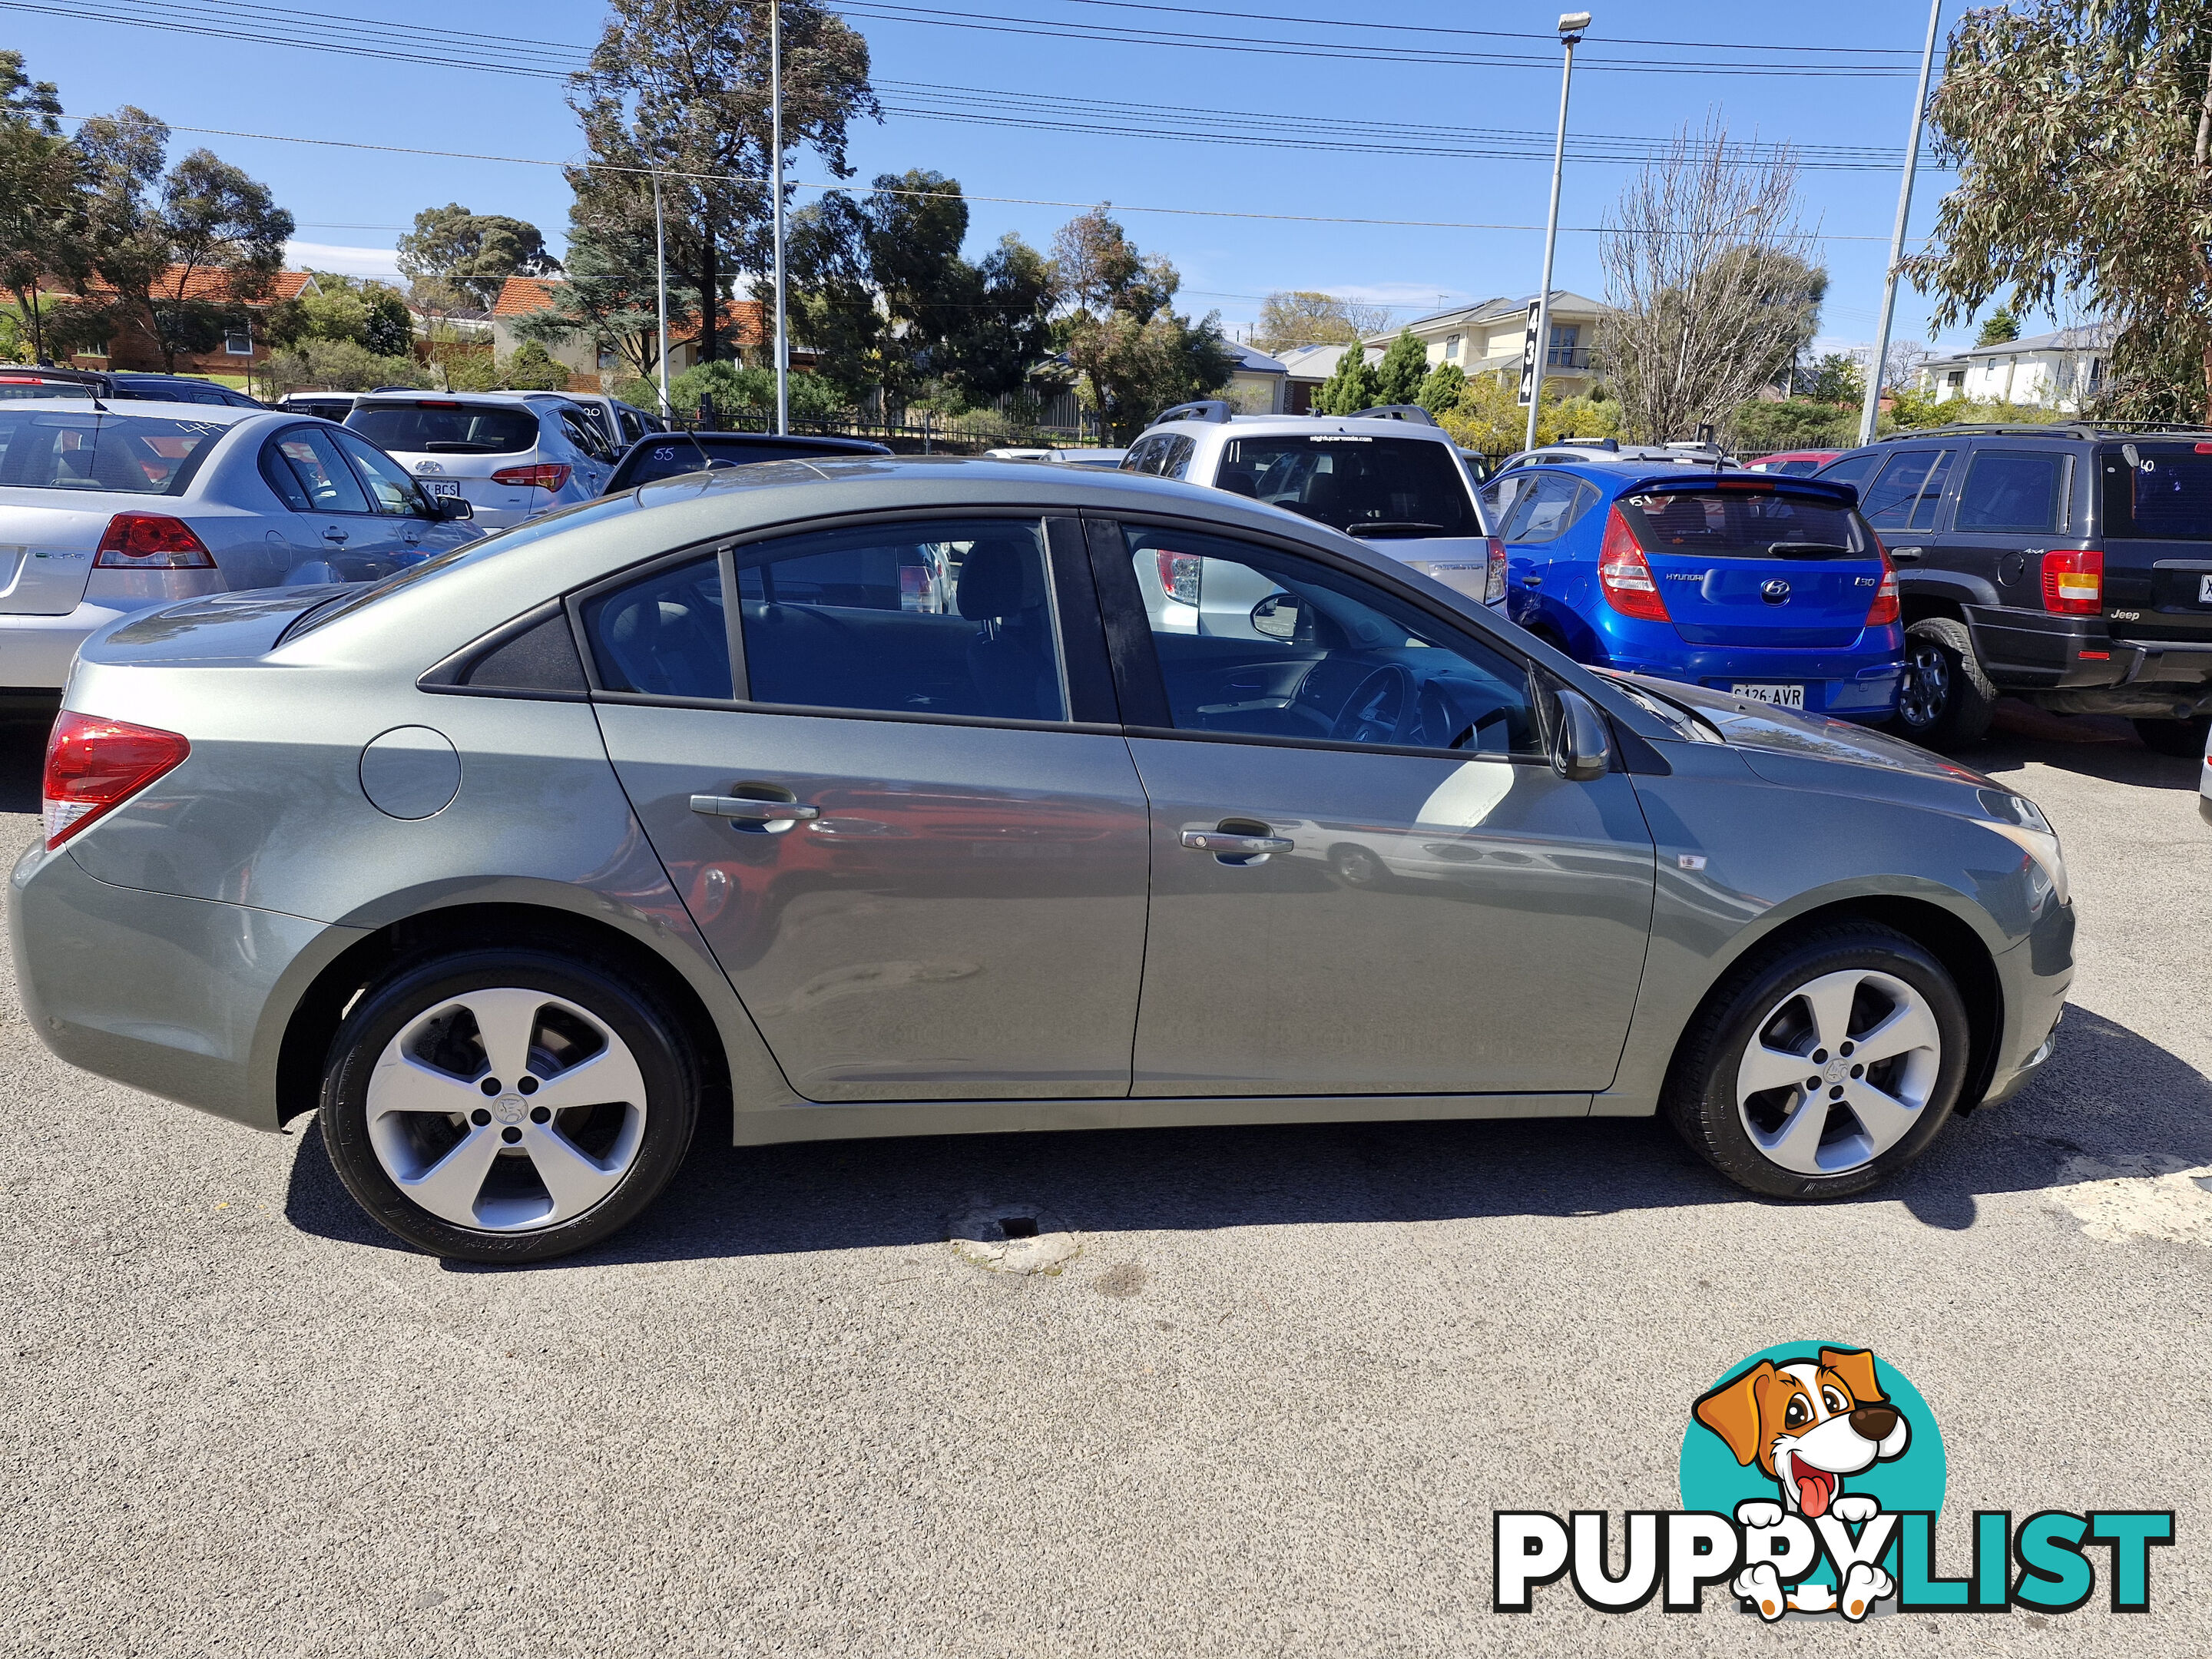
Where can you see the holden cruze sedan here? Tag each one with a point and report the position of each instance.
(870, 797)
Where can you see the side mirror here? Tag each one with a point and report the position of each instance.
(452, 506)
(1276, 616)
(1582, 747)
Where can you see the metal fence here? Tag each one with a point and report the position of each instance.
(1055, 422)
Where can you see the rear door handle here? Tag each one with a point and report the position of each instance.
(740, 810)
(1217, 840)
(1906, 554)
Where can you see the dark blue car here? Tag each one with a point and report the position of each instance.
(1772, 588)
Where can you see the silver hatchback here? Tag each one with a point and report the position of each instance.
(874, 798)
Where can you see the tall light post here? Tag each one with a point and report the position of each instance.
(1572, 25)
(775, 128)
(1872, 409)
(660, 284)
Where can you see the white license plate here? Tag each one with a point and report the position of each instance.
(439, 486)
(1783, 696)
(2204, 590)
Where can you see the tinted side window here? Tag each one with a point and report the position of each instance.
(1176, 461)
(320, 471)
(1909, 490)
(584, 433)
(390, 490)
(1266, 644)
(1544, 510)
(2010, 490)
(1851, 470)
(662, 633)
(937, 616)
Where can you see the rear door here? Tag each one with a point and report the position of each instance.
(953, 904)
(333, 523)
(1752, 562)
(412, 529)
(2011, 508)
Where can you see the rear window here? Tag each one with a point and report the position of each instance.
(1743, 524)
(135, 454)
(430, 428)
(30, 386)
(1377, 486)
(2157, 492)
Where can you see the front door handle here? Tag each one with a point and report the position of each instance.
(1235, 846)
(1906, 554)
(740, 810)
(335, 534)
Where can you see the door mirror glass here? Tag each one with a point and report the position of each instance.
(1276, 616)
(1582, 747)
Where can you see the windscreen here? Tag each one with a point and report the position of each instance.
(1367, 486)
(431, 428)
(2157, 492)
(667, 457)
(1744, 523)
(133, 454)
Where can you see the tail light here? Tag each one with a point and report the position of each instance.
(94, 764)
(151, 541)
(1179, 576)
(2074, 581)
(1883, 613)
(1493, 587)
(1625, 576)
(544, 476)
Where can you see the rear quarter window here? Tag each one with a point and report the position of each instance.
(441, 428)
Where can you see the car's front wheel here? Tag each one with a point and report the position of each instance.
(1822, 1064)
(506, 1105)
(1944, 701)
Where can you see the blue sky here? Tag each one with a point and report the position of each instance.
(351, 203)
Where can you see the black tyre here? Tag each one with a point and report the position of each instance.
(1821, 1064)
(1944, 701)
(2182, 738)
(508, 1105)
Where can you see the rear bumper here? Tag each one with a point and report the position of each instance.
(183, 998)
(36, 651)
(1849, 686)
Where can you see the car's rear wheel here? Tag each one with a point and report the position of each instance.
(1822, 1064)
(2182, 738)
(1944, 701)
(506, 1105)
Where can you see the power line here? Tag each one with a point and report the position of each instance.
(858, 190)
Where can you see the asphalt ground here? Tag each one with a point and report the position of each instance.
(1268, 1409)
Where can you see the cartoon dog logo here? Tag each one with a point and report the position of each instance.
(1808, 1424)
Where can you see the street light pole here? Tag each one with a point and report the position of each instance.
(1571, 26)
(1872, 409)
(660, 282)
(776, 125)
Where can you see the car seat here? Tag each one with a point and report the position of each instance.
(1010, 660)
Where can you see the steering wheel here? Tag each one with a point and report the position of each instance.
(1470, 738)
(1379, 707)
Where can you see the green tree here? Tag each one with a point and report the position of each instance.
(1398, 378)
(1133, 355)
(1490, 419)
(1760, 427)
(335, 365)
(370, 314)
(1354, 385)
(609, 299)
(1442, 388)
(681, 86)
(475, 252)
(1303, 316)
(1836, 378)
(2083, 132)
(43, 219)
(2000, 327)
(155, 238)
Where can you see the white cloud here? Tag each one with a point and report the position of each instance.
(351, 261)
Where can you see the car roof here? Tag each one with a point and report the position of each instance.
(1627, 474)
(1249, 426)
(481, 399)
(140, 408)
(765, 440)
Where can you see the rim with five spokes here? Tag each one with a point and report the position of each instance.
(1838, 1072)
(506, 1111)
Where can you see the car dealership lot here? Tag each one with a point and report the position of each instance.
(1270, 1406)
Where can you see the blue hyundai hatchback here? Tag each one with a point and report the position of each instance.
(1772, 589)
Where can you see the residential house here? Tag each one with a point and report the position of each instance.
(1304, 368)
(1487, 338)
(134, 347)
(1258, 383)
(2052, 371)
(591, 368)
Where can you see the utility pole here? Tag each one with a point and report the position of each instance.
(1571, 26)
(1872, 409)
(660, 282)
(775, 127)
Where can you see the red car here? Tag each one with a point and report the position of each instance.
(1796, 462)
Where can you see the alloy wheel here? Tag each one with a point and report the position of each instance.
(506, 1111)
(1925, 687)
(1838, 1072)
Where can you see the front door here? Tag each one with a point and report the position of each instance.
(924, 878)
(1365, 878)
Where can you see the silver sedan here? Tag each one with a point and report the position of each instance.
(879, 798)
